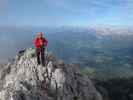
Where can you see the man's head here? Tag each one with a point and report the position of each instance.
(40, 34)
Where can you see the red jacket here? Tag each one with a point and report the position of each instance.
(39, 42)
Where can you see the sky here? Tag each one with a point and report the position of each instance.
(54, 13)
(18, 18)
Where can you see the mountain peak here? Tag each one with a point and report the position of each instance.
(23, 79)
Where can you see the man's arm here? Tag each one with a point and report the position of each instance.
(45, 42)
(36, 43)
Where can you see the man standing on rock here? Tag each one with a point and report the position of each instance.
(40, 44)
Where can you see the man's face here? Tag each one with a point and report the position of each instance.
(39, 35)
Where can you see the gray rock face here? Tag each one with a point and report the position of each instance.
(25, 80)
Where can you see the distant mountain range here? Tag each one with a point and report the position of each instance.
(106, 50)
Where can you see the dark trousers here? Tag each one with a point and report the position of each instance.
(41, 55)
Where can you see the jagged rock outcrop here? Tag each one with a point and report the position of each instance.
(23, 79)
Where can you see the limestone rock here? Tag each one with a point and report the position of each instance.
(25, 80)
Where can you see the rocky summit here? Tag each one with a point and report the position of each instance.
(24, 79)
